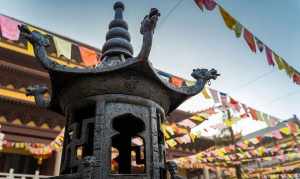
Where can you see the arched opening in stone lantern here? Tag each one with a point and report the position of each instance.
(128, 146)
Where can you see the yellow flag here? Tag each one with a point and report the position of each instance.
(285, 130)
(288, 69)
(29, 46)
(228, 19)
(198, 117)
(278, 61)
(166, 134)
(172, 143)
(228, 122)
(190, 83)
(193, 136)
(205, 94)
(220, 153)
(260, 151)
(246, 142)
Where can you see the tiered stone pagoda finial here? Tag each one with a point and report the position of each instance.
(117, 47)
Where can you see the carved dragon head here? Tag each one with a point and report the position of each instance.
(34, 37)
(205, 74)
(149, 21)
(35, 90)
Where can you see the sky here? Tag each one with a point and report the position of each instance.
(187, 38)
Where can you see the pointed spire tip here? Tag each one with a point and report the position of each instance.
(119, 4)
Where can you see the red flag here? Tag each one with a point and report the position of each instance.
(253, 113)
(235, 105)
(210, 4)
(269, 55)
(248, 36)
(296, 78)
(200, 4)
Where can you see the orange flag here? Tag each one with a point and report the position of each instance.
(88, 56)
(176, 81)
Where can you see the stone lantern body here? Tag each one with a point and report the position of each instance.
(115, 108)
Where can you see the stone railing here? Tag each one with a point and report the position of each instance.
(12, 175)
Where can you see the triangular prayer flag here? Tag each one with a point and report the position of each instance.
(187, 123)
(260, 151)
(214, 94)
(172, 143)
(29, 45)
(198, 118)
(293, 127)
(193, 137)
(200, 4)
(166, 134)
(9, 28)
(88, 56)
(223, 97)
(272, 121)
(260, 44)
(228, 19)
(31, 28)
(170, 130)
(249, 38)
(176, 81)
(276, 134)
(259, 116)
(235, 105)
(265, 117)
(245, 115)
(278, 61)
(186, 139)
(228, 122)
(179, 130)
(253, 113)
(285, 130)
(210, 4)
(63, 47)
(238, 28)
(296, 78)
(254, 141)
(245, 108)
(178, 140)
(211, 111)
(269, 55)
(205, 94)
(288, 69)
